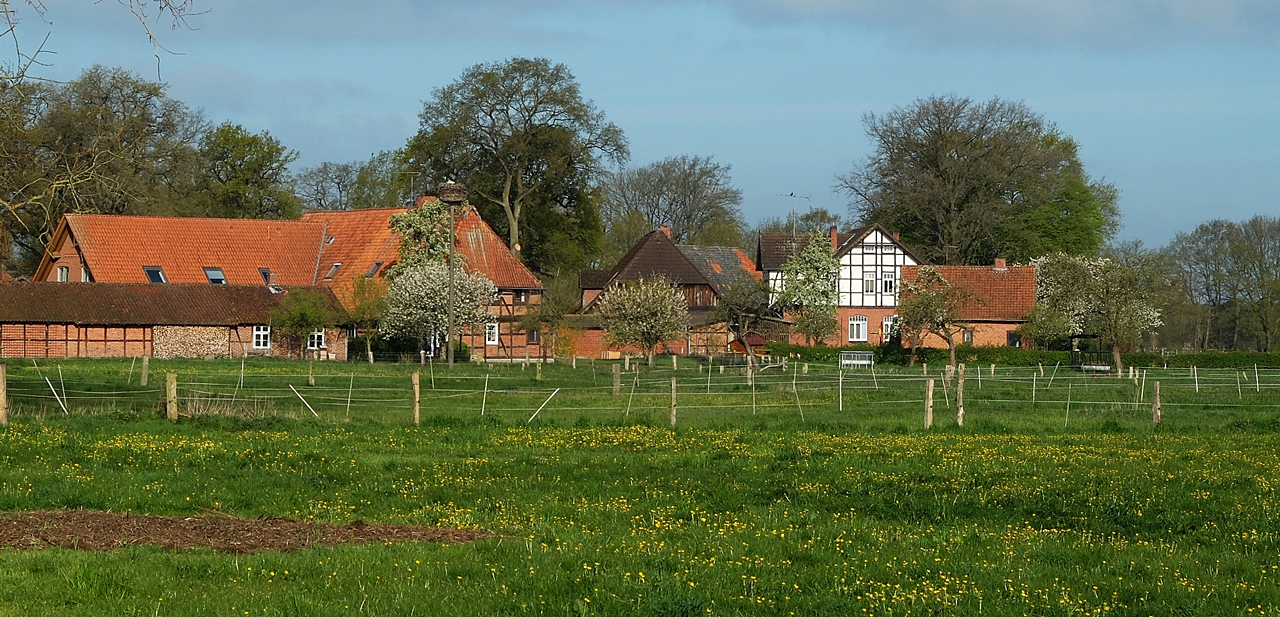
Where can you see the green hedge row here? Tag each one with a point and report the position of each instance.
(1012, 356)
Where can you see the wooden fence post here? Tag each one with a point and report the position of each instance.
(1155, 405)
(538, 374)
(626, 362)
(311, 373)
(928, 404)
(840, 388)
(924, 368)
(171, 395)
(417, 378)
(146, 370)
(673, 401)
(617, 381)
(4, 396)
(960, 397)
(674, 366)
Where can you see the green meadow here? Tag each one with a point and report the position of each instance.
(766, 498)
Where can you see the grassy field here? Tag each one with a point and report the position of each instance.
(795, 508)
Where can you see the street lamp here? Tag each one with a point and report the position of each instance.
(452, 194)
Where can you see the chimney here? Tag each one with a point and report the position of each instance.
(666, 230)
(897, 237)
(835, 238)
(1000, 264)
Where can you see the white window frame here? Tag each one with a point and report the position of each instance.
(491, 333)
(886, 326)
(215, 275)
(966, 336)
(262, 337)
(333, 271)
(146, 270)
(858, 329)
(888, 282)
(316, 340)
(85, 276)
(869, 282)
(64, 274)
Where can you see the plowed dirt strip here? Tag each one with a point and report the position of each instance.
(104, 531)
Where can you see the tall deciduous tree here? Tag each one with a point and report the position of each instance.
(812, 221)
(932, 304)
(692, 194)
(247, 174)
(302, 312)
(423, 233)
(368, 302)
(510, 131)
(746, 312)
(809, 288)
(380, 182)
(644, 313)
(967, 182)
(327, 186)
(417, 303)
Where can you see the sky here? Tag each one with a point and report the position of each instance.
(1175, 102)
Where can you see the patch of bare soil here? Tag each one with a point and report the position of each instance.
(104, 531)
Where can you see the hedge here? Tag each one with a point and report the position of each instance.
(1013, 356)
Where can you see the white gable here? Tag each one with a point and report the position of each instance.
(870, 271)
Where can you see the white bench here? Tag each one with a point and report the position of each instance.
(857, 358)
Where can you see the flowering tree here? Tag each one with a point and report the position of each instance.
(745, 311)
(644, 313)
(423, 233)
(809, 289)
(1116, 297)
(932, 305)
(417, 302)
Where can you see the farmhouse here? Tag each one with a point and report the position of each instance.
(1003, 296)
(871, 262)
(703, 273)
(43, 320)
(327, 249)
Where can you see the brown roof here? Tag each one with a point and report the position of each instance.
(721, 265)
(487, 254)
(116, 248)
(1007, 294)
(594, 279)
(775, 248)
(142, 304)
(656, 255)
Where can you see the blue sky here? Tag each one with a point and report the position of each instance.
(1176, 102)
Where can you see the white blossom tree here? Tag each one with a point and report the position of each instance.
(1114, 297)
(933, 305)
(809, 288)
(644, 313)
(417, 302)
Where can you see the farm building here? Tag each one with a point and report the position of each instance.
(1003, 296)
(327, 249)
(48, 320)
(703, 273)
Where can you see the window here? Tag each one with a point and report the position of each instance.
(266, 275)
(886, 248)
(491, 334)
(215, 276)
(531, 337)
(373, 270)
(85, 277)
(887, 280)
(315, 340)
(968, 337)
(155, 274)
(886, 327)
(262, 337)
(1013, 339)
(332, 271)
(521, 296)
(62, 274)
(858, 329)
(870, 248)
(869, 282)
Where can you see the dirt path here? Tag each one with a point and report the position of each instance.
(103, 531)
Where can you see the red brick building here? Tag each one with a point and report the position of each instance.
(1003, 296)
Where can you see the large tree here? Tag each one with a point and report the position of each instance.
(108, 142)
(966, 182)
(512, 131)
(931, 304)
(417, 302)
(247, 174)
(745, 310)
(380, 182)
(692, 194)
(813, 220)
(643, 313)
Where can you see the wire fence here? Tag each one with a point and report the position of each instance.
(700, 393)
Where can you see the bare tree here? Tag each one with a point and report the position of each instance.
(327, 186)
(692, 194)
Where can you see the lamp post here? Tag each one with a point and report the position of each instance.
(452, 194)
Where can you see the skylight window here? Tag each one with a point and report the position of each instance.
(155, 274)
(215, 276)
(332, 271)
(373, 270)
(266, 275)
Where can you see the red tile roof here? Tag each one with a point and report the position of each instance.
(117, 247)
(133, 304)
(361, 240)
(487, 254)
(1007, 294)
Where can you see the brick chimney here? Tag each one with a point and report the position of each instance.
(897, 237)
(1000, 264)
(665, 229)
(835, 238)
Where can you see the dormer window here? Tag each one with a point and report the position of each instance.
(62, 274)
(215, 276)
(332, 271)
(155, 274)
(266, 275)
